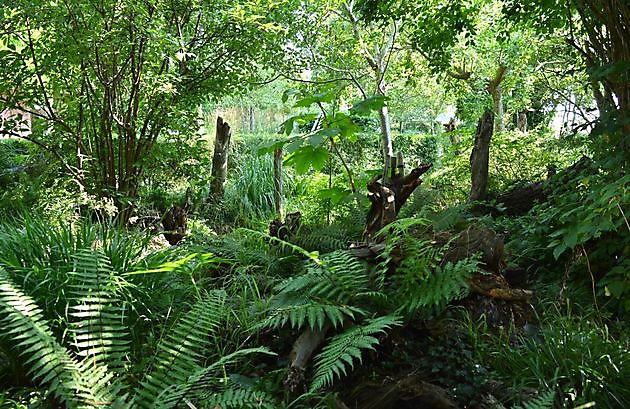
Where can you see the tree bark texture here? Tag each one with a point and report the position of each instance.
(521, 121)
(496, 92)
(388, 197)
(277, 181)
(252, 119)
(479, 158)
(220, 158)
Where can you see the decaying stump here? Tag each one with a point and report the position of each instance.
(473, 240)
(287, 229)
(387, 198)
(220, 158)
(301, 352)
(174, 223)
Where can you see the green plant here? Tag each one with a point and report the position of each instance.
(421, 282)
(86, 368)
(572, 355)
(343, 349)
(542, 401)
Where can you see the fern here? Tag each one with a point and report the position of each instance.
(181, 352)
(543, 401)
(73, 383)
(240, 399)
(445, 284)
(326, 292)
(345, 348)
(98, 328)
(204, 380)
(323, 238)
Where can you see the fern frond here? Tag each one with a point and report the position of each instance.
(97, 326)
(345, 348)
(445, 284)
(543, 401)
(323, 238)
(181, 352)
(240, 399)
(50, 363)
(202, 380)
(324, 293)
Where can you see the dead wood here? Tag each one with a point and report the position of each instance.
(388, 197)
(476, 239)
(520, 200)
(480, 157)
(408, 390)
(220, 158)
(174, 223)
(303, 348)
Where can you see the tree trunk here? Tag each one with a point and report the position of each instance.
(479, 158)
(497, 100)
(386, 141)
(387, 198)
(220, 158)
(277, 181)
(521, 121)
(496, 92)
(252, 122)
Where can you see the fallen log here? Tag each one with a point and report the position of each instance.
(301, 352)
(522, 199)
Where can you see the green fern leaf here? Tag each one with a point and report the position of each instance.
(543, 401)
(97, 326)
(50, 363)
(202, 380)
(345, 348)
(182, 351)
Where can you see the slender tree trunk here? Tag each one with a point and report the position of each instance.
(386, 141)
(252, 123)
(277, 181)
(220, 158)
(497, 100)
(521, 121)
(495, 90)
(479, 158)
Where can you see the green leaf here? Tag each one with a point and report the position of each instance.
(306, 156)
(289, 93)
(327, 96)
(368, 105)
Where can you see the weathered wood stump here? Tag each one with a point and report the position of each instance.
(174, 223)
(388, 197)
(220, 158)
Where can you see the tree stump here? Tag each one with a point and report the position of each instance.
(388, 198)
(220, 158)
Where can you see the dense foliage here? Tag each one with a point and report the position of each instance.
(274, 295)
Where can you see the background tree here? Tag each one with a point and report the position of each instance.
(109, 78)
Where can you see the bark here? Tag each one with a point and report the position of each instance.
(174, 223)
(521, 121)
(386, 140)
(220, 158)
(495, 90)
(387, 198)
(277, 181)
(252, 120)
(479, 158)
(301, 352)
